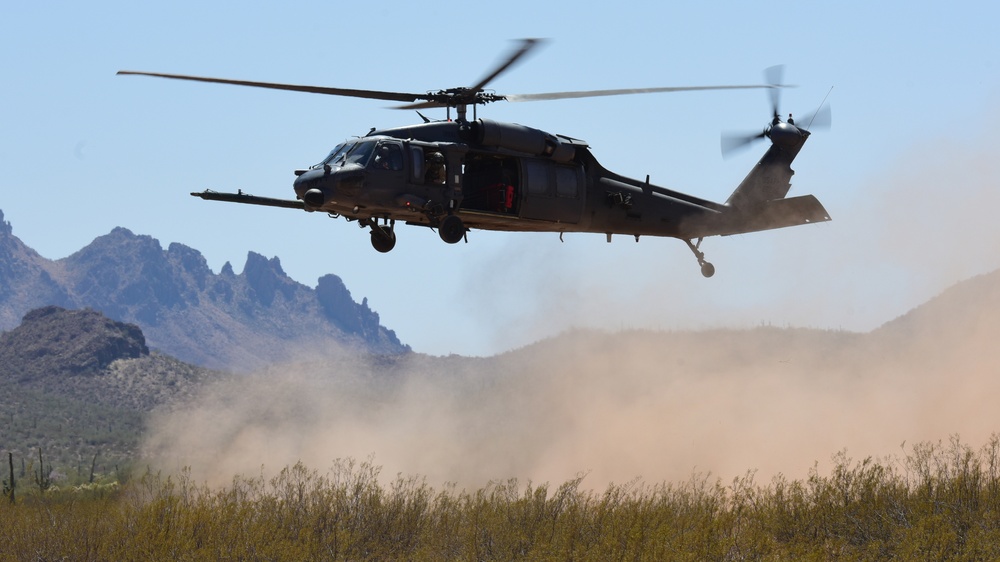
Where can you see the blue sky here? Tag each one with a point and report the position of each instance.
(907, 171)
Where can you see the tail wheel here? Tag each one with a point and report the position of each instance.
(707, 269)
(451, 229)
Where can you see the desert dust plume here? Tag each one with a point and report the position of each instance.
(654, 405)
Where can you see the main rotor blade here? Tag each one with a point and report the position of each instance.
(628, 91)
(593, 94)
(420, 105)
(370, 94)
(526, 46)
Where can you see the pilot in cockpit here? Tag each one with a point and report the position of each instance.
(389, 157)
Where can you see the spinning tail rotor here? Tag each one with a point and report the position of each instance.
(732, 143)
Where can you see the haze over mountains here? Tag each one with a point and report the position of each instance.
(223, 320)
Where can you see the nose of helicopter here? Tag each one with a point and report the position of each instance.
(319, 186)
(308, 187)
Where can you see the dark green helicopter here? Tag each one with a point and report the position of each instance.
(460, 174)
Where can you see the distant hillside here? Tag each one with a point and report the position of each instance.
(224, 320)
(55, 342)
(25, 280)
(74, 383)
(963, 321)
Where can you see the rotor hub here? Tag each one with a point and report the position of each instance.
(785, 134)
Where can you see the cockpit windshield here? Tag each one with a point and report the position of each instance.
(336, 154)
(353, 152)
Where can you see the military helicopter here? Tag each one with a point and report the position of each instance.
(460, 174)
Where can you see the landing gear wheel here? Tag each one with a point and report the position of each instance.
(707, 269)
(451, 229)
(383, 239)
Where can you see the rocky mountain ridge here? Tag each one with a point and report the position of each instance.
(225, 321)
(84, 355)
(55, 342)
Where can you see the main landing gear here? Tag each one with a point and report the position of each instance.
(707, 269)
(383, 236)
(451, 229)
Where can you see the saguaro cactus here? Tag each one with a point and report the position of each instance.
(42, 477)
(8, 485)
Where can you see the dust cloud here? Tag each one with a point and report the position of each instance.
(654, 405)
(643, 399)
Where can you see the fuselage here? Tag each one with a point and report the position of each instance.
(495, 176)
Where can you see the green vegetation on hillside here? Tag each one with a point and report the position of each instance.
(71, 419)
(939, 502)
(69, 432)
(78, 388)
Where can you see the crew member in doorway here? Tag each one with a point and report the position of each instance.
(435, 168)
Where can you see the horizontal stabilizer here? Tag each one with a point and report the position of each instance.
(769, 215)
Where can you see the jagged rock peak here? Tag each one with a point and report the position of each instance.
(267, 279)
(190, 259)
(334, 297)
(122, 244)
(141, 239)
(256, 263)
(5, 228)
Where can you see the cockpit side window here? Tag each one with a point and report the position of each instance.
(360, 153)
(389, 156)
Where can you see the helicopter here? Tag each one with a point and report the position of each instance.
(457, 175)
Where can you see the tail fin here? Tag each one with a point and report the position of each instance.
(770, 179)
(759, 201)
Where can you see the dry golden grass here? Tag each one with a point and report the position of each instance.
(940, 501)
